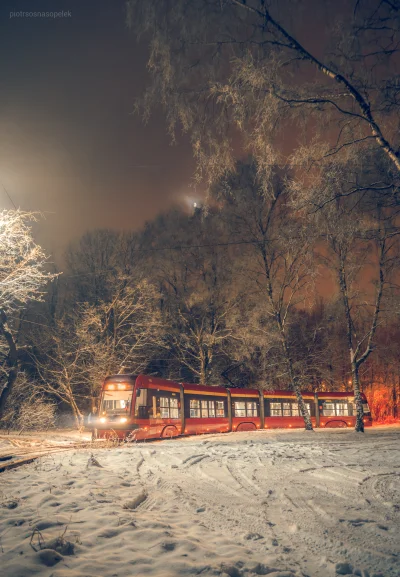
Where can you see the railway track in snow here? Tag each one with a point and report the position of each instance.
(17, 452)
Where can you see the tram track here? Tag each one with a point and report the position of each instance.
(27, 450)
(22, 452)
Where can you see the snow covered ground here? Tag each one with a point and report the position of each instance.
(277, 503)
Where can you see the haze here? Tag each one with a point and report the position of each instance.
(70, 146)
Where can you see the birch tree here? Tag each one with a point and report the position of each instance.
(363, 255)
(280, 255)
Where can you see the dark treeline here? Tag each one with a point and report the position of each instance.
(253, 290)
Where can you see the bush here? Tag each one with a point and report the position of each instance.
(27, 408)
(39, 414)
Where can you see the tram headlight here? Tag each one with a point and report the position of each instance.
(123, 420)
(103, 420)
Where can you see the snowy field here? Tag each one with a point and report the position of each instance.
(277, 503)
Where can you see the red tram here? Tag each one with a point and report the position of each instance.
(143, 407)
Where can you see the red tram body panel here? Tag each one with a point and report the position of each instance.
(142, 407)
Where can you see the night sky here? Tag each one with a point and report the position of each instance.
(69, 145)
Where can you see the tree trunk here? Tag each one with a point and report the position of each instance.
(77, 414)
(293, 378)
(202, 370)
(204, 364)
(78, 418)
(303, 409)
(12, 361)
(294, 382)
(359, 428)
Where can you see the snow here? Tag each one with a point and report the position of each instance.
(52, 436)
(277, 503)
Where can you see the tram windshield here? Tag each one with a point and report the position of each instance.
(116, 402)
(366, 409)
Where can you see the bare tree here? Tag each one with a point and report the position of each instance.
(62, 369)
(98, 340)
(23, 277)
(200, 309)
(125, 333)
(198, 292)
(95, 262)
(280, 262)
(362, 251)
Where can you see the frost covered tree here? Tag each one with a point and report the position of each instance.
(239, 74)
(23, 278)
(96, 340)
(279, 258)
(61, 368)
(361, 250)
(122, 334)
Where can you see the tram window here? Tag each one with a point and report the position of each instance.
(276, 410)
(220, 406)
(194, 408)
(295, 409)
(342, 409)
(366, 409)
(173, 408)
(245, 409)
(207, 409)
(286, 409)
(240, 409)
(251, 408)
(169, 408)
(329, 409)
(164, 407)
(332, 409)
(116, 401)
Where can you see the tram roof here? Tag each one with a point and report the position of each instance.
(148, 380)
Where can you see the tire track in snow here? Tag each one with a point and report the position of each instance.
(228, 493)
